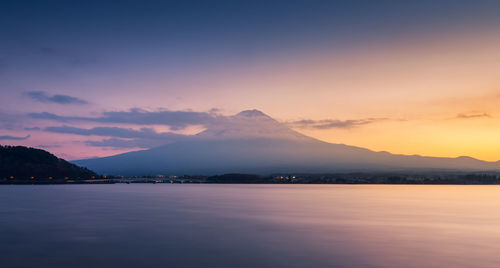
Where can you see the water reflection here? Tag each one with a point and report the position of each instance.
(249, 226)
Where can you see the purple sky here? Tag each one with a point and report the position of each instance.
(95, 78)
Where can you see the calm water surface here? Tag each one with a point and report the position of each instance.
(142, 225)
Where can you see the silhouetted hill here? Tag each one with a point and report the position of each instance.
(22, 163)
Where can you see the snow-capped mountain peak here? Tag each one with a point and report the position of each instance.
(249, 124)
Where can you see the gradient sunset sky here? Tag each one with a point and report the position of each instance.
(94, 78)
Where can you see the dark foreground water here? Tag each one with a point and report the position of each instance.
(141, 225)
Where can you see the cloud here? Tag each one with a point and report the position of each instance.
(126, 143)
(145, 137)
(146, 133)
(175, 119)
(473, 115)
(42, 96)
(50, 116)
(49, 146)
(14, 138)
(333, 123)
(31, 128)
(122, 137)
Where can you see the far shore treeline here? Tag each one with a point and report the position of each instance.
(443, 177)
(24, 165)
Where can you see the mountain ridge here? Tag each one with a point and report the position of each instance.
(253, 142)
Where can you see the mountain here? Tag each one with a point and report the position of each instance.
(253, 142)
(22, 163)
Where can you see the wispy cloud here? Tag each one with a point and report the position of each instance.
(175, 119)
(42, 96)
(122, 137)
(31, 128)
(51, 116)
(473, 115)
(49, 146)
(14, 138)
(126, 143)
(333, 123)
(148, 133)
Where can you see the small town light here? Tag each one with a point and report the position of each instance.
(32, 177)
(12, 177)
(50, 178)
(66, 178)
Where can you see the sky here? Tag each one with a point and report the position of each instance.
(95, 78)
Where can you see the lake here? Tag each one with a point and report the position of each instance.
(191, 225)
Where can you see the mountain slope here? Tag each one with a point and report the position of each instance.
(23, 163)
(252, 142)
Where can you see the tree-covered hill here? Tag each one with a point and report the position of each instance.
(24, 163)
